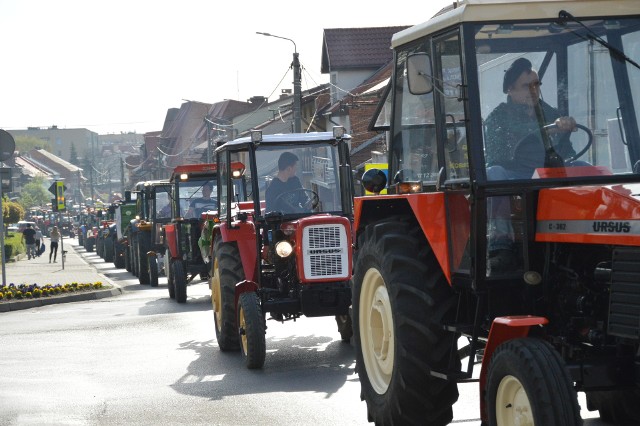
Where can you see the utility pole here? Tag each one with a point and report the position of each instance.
(297, 84)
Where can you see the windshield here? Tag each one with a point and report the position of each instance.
(295, 180)
(556, 102)
(196, 196)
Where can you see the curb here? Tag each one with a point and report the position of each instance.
(76, 297)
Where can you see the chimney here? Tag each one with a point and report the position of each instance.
(257, 100)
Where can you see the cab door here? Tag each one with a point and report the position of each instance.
(451, 125)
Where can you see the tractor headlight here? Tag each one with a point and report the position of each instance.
(284, 249)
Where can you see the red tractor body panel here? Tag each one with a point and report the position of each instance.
(503, 329)
(244, 234)
(297, 228)
(590, 215)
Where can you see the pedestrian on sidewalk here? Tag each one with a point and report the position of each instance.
(29, 238)
(39, 241)
(55, 237)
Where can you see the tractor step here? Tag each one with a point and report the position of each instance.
(458, 328)
(452, 375)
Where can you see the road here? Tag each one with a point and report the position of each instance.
(140, 358)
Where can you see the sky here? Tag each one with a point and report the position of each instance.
(117, 66)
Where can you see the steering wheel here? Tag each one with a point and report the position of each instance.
(526, 152)
(287, 199)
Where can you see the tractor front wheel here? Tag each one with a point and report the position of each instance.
(528, 384)
(119, 259)
(401, 299)
(345, 327)
(251, 330)
(227, 272)
(144, 243)
(167, 270)
(179, 281)
(108, 250)
(152, 261)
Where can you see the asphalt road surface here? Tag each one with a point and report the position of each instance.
(140, 358)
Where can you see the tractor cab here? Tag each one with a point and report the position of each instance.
(286, 251)
(187, 235)
(512, 215)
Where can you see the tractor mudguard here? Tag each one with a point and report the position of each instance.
(244, 234)
(245, 286)
(171, 239)
(503, 329)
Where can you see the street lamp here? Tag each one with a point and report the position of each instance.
(297, 93)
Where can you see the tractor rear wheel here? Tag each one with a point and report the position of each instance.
(251, 330)
(179, 281)
(528, 383)
(401, 299)
(167, 270)
(227, 272)
(134, 255)
(152, 261)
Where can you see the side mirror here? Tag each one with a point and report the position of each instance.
(374, 180)
(419, 74)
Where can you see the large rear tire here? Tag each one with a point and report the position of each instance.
(251, 330)
(400, 301)
(180, 281)
(528, 383)
(227, 272)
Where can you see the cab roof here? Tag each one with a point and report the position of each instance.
(284, 139)
(514, 10)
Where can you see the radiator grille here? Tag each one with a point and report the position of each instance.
(624, 302)
(326, 252)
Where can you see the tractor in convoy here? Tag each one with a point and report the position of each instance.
(125, 212)
(510, 231)
(187, 238)
(145, 230)
(286, 251)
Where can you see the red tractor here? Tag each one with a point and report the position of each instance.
(502, 227)
(187, 238)
(285, 252)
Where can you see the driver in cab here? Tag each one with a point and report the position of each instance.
(285, 192)
(202, 204)
(513, 120)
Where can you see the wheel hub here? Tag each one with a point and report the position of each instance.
(512, 404)
(376, 330)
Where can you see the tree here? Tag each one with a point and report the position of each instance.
(12, 212)
(35, 194)
(27, 143)
(73, 154)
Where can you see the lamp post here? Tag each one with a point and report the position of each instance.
(297, 77)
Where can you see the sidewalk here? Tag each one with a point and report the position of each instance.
(39, 271)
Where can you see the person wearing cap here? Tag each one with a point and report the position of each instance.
(513, 120)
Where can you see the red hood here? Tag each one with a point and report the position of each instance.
(590, 214)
